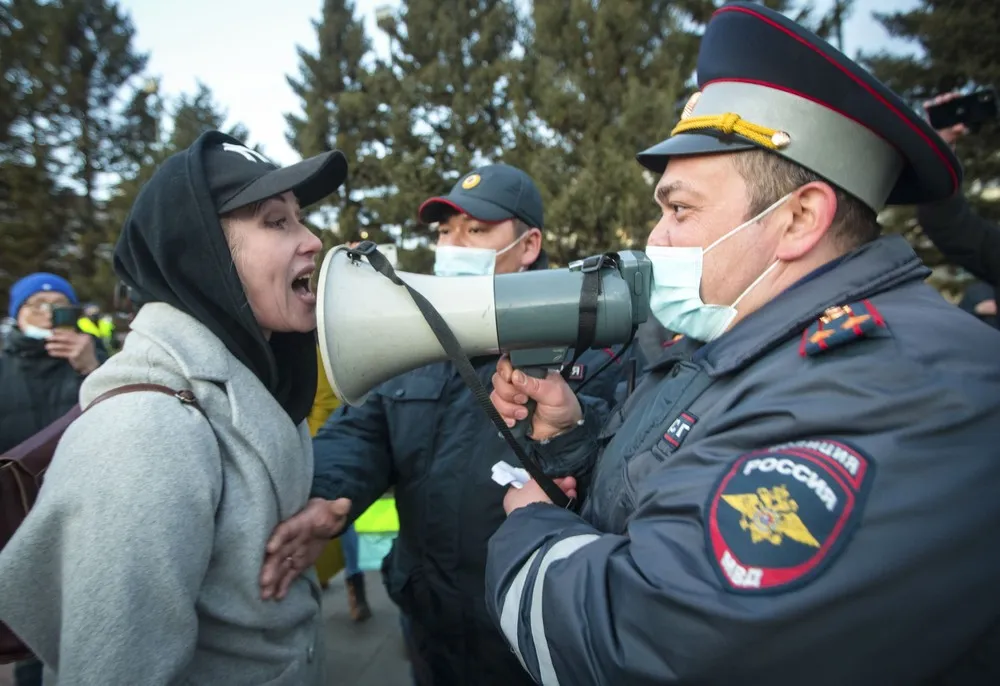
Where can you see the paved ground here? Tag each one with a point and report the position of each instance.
(367, 654)
(370, 653)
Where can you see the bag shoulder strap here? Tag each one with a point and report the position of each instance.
(185, 396)
(35, 452)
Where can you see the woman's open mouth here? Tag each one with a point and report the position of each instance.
(302, 286)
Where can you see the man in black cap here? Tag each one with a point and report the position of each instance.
(490, 222)
(425, 434)
(804, 489)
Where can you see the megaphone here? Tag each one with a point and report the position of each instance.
(371, 330)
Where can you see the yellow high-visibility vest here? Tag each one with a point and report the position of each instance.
(103, 329)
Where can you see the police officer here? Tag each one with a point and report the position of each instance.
(804, 491)
(425, 434)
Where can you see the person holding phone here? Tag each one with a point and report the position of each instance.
(43, 362)
(964, 237)
(45, 357)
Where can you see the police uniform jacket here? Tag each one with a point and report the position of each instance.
(425, 434)
(771, 510)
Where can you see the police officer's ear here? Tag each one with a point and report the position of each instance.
(531, 247)
(807, 218)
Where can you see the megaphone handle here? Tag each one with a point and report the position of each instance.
(523, 426)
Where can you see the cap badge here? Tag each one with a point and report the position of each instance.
(471, 181)
(731, 123)
(689, 107)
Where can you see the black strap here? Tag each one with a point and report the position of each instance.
(465, 369)
(590, 293)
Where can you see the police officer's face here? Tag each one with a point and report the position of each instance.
(464, 231)
(702, 199)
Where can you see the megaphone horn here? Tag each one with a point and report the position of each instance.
(370, 329)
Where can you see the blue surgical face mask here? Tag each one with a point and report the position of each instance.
(456, 260)
(675, 299)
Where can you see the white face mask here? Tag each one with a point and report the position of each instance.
(35, 332)
(455, 260)
(675, 298)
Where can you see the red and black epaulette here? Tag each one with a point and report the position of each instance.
(840, 325)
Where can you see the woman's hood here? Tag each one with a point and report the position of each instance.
(172, 250)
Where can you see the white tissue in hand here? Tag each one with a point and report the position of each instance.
(508, 475)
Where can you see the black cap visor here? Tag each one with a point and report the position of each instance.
(311, 180)
(655, 158)
(439, 209)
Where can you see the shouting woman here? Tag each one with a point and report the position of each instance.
(139, 563)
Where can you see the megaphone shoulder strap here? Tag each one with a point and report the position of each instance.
(454, 351)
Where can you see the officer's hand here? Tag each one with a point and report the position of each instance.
(297, 543)
(75, 347)
(557, 408)
(531, 492)
(952, 133)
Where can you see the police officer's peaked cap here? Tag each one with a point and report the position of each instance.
(765, 82)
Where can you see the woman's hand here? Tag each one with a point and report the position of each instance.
(297, 543)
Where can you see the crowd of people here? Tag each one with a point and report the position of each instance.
(799, 489)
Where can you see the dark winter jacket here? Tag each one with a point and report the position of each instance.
(35, 389)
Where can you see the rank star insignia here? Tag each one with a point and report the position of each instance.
(821, 335)
(839, 326)
(854, 321)
(769, 515)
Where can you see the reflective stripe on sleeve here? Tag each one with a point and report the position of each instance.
(513, 601)
(512, 606)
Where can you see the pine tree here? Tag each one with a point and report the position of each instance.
(177, 126)
(67, 66)
(195, 114)
(339, 113)
(956, 48)
(99, 69)
(32, 209)
(602, 81)
(409, 126)
(445, 104)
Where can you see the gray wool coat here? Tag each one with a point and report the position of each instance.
(140, 562)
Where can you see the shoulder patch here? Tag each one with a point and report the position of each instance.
(779, 516)
(578, 372)
(840, 325)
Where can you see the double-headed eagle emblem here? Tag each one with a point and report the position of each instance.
(770, 515)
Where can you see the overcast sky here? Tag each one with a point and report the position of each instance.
(243, 50)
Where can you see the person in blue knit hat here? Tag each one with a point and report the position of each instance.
(41, 369)
(47, 363)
